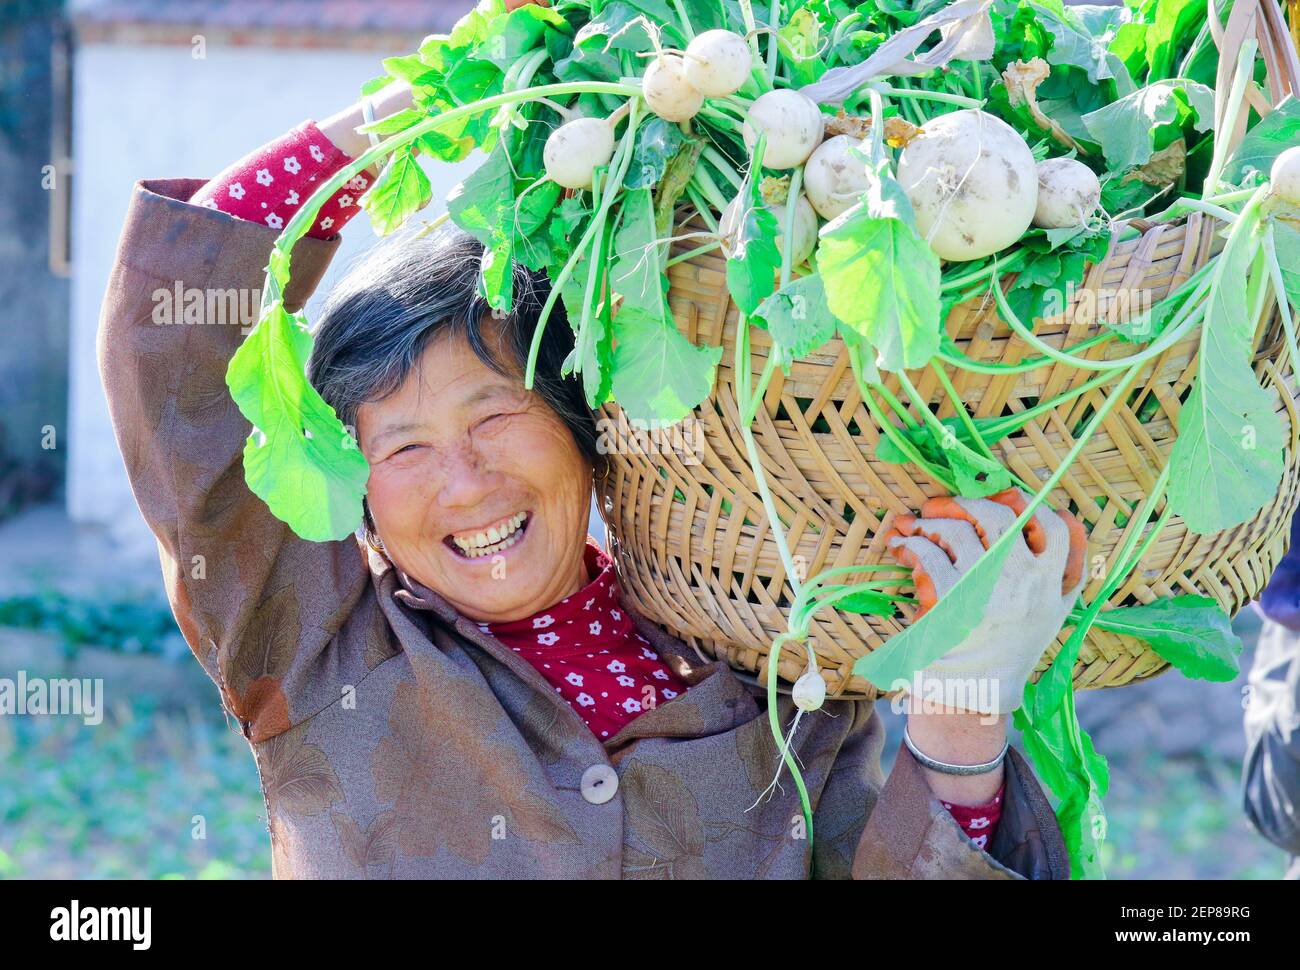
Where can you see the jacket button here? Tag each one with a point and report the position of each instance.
(599, 784)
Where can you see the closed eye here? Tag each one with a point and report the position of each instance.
(493, 420)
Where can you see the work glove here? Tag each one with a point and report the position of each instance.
(1040, 581)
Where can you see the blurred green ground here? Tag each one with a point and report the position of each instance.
(124, 799)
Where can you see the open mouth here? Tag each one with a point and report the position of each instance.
(495, 539)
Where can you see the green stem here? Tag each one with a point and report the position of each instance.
(1008, 265)
(1209, 208)
(791, 207)
(774, 723)
(747, 16)
(773, 46)
(1013, 422)
(960, 407)
(709, 188)
(744, 373)
(1279, 288)
(1236, 97)
(1159, 346)
(622, 157)
(941, 96)
(1058, 679)
(686, 21)
(724, 167)
(691, 254)
(702, 207)
(302, 220)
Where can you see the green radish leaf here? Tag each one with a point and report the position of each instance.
(636, 275)
(755, 260)
(1173, 17)
(1263, 143)
(299, 459)
(1066, 762)
(445, 147)
(1127, 129)
(532, 241)
(1082, 44)
(1191, 632)
(882, 278)
(866, 601)
(485, 199)
(803, 34)
(401, 190)
(411, 69)
(798, 319)
(496, 272)
(976, 475)
(509, 38)
(658, 375)
(1227, 460)
(656, 143)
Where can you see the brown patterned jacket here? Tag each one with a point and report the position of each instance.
(394, 738)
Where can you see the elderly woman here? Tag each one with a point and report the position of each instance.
(461, 692)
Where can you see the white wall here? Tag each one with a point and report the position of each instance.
(155, 112)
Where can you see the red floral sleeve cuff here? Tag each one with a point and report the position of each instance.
(979, 822)
(269, 185)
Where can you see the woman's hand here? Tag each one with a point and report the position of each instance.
(1039, 584)
(983, 678)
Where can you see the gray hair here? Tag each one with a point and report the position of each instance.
(383, 313)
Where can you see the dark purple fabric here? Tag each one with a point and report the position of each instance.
(1280, 600)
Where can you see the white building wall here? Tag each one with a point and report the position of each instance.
(155, 112)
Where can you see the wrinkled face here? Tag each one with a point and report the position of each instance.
(477, 488)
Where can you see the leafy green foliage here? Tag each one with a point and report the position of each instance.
(754, 261)
(658, 374)
(881, 277)
(975, 474)
(797, 318)
(1266, 141)
(1131, 129)
(1227, 460)
(1191, 632)
(299, 460)
(401, 190)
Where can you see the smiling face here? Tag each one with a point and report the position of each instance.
(477, 488)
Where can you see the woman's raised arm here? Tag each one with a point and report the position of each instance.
(258, 606)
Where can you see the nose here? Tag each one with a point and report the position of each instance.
(465, 479)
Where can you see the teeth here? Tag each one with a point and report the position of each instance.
(495, 539)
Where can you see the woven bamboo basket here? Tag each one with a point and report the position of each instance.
(694, 547)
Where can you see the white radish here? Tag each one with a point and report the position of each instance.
(718, 63)
(834, 177)
(809, 690)
(1285, 176)
(972, 183)
(1068, 193)
(668, 91)
(576, 149)
(793, 124)
(805, 228)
